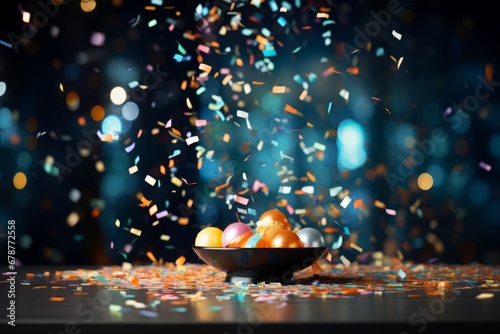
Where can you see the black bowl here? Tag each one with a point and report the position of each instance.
(254, 265)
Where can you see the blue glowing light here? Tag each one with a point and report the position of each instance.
(111, 125)
(351, 144)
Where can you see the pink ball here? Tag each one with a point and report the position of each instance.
(234, 230)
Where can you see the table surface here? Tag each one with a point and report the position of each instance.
(195, 298)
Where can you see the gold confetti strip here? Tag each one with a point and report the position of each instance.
(135, 231)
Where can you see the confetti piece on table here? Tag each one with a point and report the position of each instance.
(485, 295)
(401, 273)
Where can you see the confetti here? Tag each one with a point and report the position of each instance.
(345, 202)
(485, 166)
(390, 212)
(151, 180)
(397, 35)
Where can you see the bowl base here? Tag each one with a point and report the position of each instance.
(259, 279)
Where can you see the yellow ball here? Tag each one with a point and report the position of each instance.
(209, 237)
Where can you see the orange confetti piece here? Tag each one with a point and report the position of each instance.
(292, 110)
(56, 299)
(183, 221)
(152, 257)
(175, 131)
(205, 68)
(135, 281)
(180, 261)
(145, 202)
(311, 177)
(353, 70)
(163, 170)
(279, 89)
(358, 203)
(258, 82)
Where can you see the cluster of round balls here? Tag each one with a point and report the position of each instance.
(272, 231)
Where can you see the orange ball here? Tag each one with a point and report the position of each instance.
(267, 229)
(275, 215)
(285, 239)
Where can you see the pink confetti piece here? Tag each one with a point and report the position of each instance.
(375, 98)
(241, 200)
(390, 212)
(200, 122)
(484, 166)
(203, 48)
(162, 214)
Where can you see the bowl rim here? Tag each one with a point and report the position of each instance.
(257, 248)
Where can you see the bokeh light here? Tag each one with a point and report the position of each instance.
(130, 111)
(5, 118)
(351, 144)
(425, 181)
(97, 113)
(20, 180)
(88, 5)
(118, 95)
(111, 125)
(3, 88)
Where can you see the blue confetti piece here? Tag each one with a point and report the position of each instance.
(179, 309)
(148, 314)
(379, 52)
(401, 273)
(329, 106)
(137, 158)
(269, 53)
(346, 230)
(101, 278)
(176, 153)
(282, 21)
(178, 58)
(4, 43)
(221, 115)
(214, 308)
